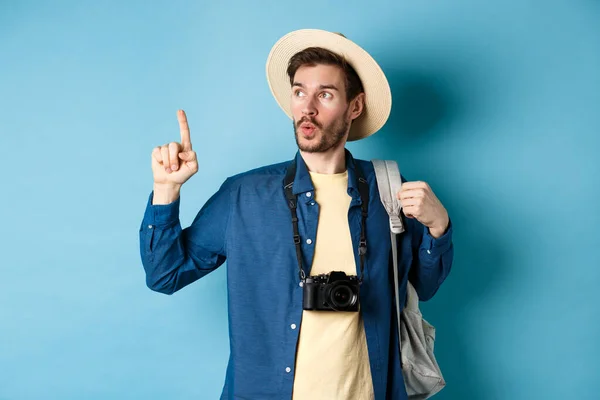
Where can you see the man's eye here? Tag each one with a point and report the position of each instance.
(299, 93)
(326, 95)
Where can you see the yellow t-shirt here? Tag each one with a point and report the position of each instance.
(332, 361)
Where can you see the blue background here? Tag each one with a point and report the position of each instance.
(496, 105)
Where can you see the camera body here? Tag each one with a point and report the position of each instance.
(335, 291)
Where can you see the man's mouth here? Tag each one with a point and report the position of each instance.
(307, 128)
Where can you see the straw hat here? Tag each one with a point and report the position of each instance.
(378, 96)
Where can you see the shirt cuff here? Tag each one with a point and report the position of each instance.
(435, 247)
(161, 214)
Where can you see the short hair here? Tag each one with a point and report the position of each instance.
(313, 56)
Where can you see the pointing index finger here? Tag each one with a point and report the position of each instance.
(184, 128)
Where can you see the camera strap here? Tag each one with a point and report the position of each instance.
(363, 189)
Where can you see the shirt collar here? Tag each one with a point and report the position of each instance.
(303, 183)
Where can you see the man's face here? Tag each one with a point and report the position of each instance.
(319, 108)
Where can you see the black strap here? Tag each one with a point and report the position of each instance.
(363, 189)
(292, 202)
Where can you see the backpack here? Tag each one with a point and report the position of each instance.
(422, 375)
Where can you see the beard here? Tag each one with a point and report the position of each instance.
(330, 136)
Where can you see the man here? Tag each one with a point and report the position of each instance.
(281, 225)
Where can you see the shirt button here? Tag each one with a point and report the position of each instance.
(150, 227)
(308, 194)
(293, 326)
(312, 203)
(288, 369)
(308, 241)
(428, 251)
(301, 284)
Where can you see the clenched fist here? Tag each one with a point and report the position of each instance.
(418, 201)
(174, 163)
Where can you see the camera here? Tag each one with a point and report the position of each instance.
(335, 291)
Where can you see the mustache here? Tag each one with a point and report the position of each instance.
(307, 119)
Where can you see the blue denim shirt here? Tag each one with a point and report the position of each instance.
(247, 223)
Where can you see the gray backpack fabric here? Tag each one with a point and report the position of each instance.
(422, 375)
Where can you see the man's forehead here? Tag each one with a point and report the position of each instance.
(319, 75)
(322, 68)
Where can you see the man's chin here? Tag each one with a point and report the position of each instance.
(308, 143)
(308, 148)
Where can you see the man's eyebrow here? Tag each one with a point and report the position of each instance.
(329, 87)
(321, 87)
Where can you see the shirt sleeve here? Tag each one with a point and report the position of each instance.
(431, 261)
(174, 257)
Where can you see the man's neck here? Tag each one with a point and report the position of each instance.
(330, 162)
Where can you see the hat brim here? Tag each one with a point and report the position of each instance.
(378, 96)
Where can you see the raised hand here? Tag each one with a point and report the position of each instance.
(418, 201)
(174, 163)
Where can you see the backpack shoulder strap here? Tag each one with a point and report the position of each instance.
(389, 183)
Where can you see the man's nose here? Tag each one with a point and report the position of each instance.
(309, 108)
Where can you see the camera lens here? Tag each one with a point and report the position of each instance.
(342, 297)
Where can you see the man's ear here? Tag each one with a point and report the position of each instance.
(357, 106)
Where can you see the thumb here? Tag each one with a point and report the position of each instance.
(187, 155)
